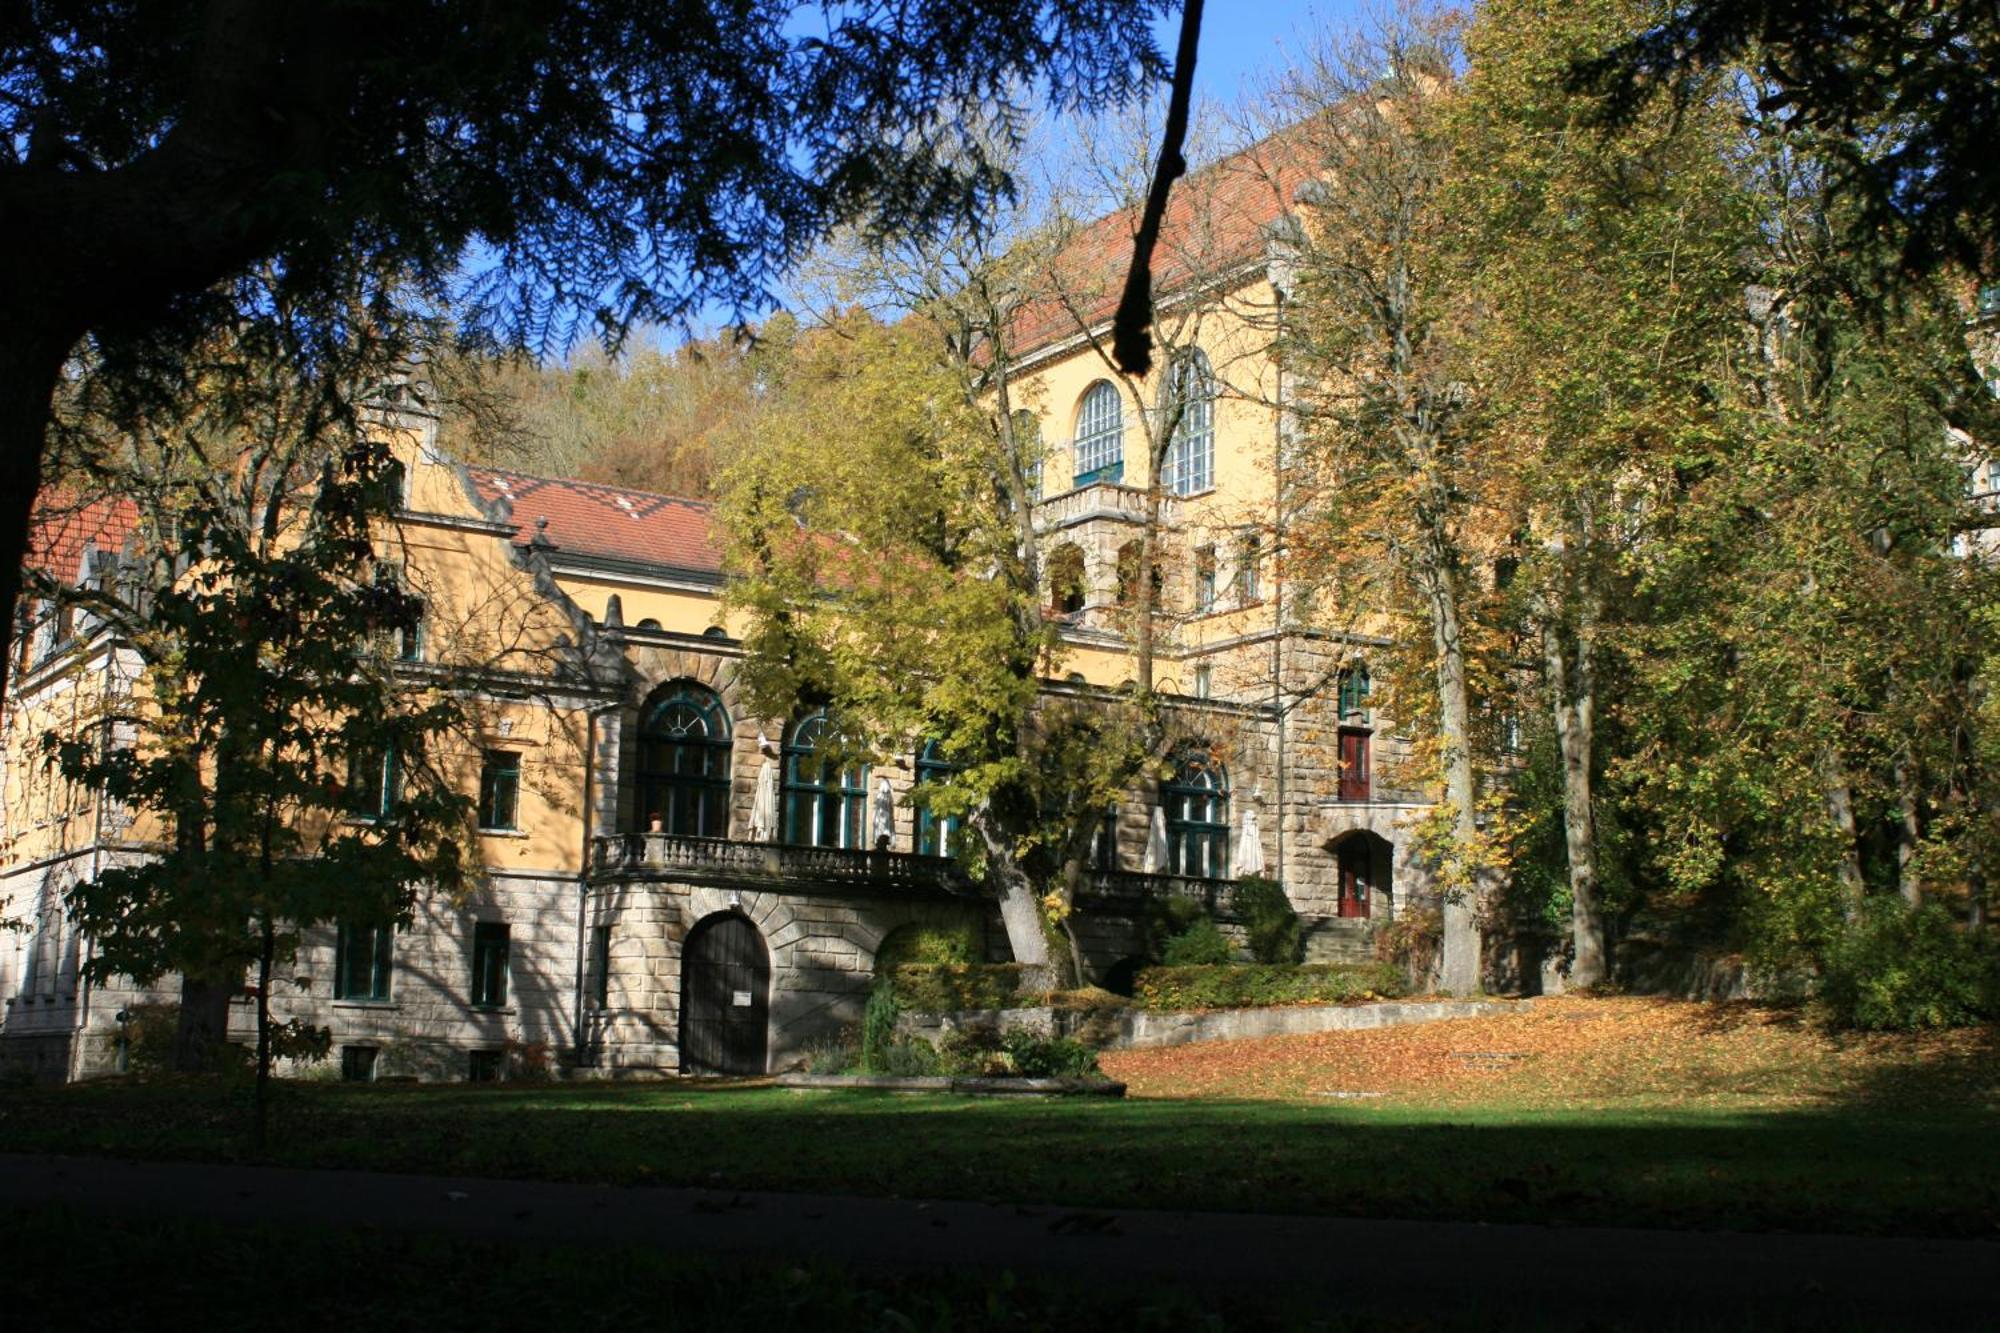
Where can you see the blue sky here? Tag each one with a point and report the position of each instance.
(1243, 39)
(1243, 42)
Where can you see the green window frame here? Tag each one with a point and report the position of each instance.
(684, 753)
(1099, 451)
(500, 790)
(363, 961)
(824, 806)
(374, 780)
(1355, 687)
(936, 835)
(1197, 804)
(491, 944)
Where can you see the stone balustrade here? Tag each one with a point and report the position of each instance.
(1107, 500)
(1123, 889)
(672, 856)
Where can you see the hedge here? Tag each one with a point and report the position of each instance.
(935, 988)
(1242, 985)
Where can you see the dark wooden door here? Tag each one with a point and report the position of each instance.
(725, 997)
(1356, 858)
(1353, 765)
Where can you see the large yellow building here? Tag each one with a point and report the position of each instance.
(670, 883)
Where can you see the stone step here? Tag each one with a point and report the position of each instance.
(1339, 939)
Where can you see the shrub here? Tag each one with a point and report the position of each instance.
(932, 945)
(878, 1028)
(986, 1053)
(1036, 1056)
(151, 1030)
(1894, 969)
(1246, 984)
(1411, 942)
(1200, 944)
(938, 988)
(1269, 920)
(909, 1057)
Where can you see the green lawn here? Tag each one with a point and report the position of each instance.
(1870, 1167)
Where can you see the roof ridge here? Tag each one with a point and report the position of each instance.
(581, 483)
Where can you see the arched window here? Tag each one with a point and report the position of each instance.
(1197, 803)
(1190, 407)
(1066, 588)
(1100, 435)
(937, 835)
(824, 806)
(1128, 577)
(684, 762)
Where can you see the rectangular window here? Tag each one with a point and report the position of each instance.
(372, 782)
(489, 964)
(1204, 681)
(600, 966)
(1248, 588)
(499, 789)
(361, 962)
(357, 1064)
(1204, 579)
(486, 1066)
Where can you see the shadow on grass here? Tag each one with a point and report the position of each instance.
(1912, 1155)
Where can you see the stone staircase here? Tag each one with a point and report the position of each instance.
(1334, 939)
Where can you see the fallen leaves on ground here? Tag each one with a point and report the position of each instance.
(1580, 1051)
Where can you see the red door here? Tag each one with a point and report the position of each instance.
(1353, 765)
(1354, 878)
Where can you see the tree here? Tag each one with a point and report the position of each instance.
(1609, 266)
(876, 528)
(1897, 94)
(271, 747)
(608, 163)
(1382, 342)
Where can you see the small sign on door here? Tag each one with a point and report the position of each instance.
(740, 998)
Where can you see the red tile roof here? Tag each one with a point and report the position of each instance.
(1216, 218)
(588, 518)
(61, 530)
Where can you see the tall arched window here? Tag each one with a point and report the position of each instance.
(1197, 803)
(684, 762)
(1190, 407)
(1100, 435)
(937, 835)
(824, 806)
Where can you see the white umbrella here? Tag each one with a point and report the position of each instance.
(885, 815)
(1249, 858)
(1155, 861)
(764, 806)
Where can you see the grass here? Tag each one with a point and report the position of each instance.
(1620, 1113)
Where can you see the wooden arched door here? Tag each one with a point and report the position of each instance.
(725, 997)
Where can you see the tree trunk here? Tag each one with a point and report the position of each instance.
(267, 949)
(1460, 967)
(1839, 797)
(204, 1023)
(1020, 905)
(1909, 833)
(1575, 708)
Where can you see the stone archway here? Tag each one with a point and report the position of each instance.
(725, 997)
(1364, 879)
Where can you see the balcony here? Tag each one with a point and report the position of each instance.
(767, 865)
(1106, 500)
(1123, 890)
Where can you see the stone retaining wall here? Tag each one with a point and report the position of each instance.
(1136, 1029)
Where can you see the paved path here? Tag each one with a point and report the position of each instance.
(1580, 1272)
